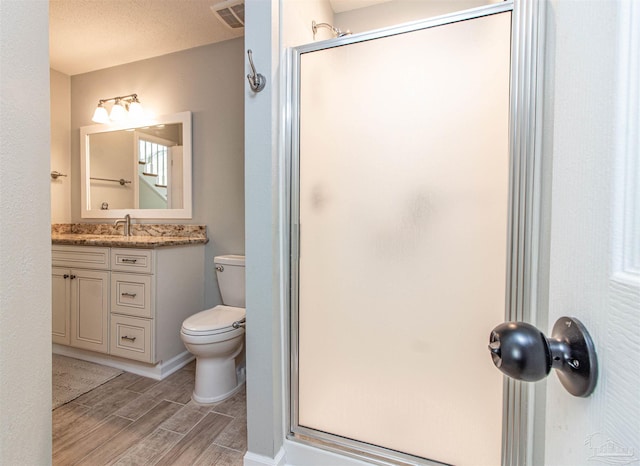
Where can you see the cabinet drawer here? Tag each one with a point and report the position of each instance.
(132, 260)
(131, 338)
(87, 257)
(131, 294)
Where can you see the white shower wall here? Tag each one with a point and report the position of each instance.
(403, 219)
(394, 12)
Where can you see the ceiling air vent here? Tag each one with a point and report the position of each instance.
(231, 13)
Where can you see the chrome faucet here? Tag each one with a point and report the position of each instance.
(127, 225)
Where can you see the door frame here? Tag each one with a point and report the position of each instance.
(523, 412)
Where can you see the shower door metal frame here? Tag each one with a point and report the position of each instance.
(523, 410)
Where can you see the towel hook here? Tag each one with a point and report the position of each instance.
(55, 174)
(256, 80)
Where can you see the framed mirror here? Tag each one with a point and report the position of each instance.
(139, 169)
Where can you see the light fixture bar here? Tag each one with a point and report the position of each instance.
(127, 106)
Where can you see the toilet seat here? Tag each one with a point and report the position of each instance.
(213, 321)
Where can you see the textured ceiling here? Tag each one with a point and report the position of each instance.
(340, 6)
(87, 35)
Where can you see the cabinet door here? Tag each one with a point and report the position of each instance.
(90, 310)
(60, 296)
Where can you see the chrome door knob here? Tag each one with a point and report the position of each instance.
(522, 352)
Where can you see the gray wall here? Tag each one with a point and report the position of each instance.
(60, 146)
(25, 236)
(265, 391)
(208, 81)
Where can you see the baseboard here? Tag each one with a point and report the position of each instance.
(253, 459)
(154, 371)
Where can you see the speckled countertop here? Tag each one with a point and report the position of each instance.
(142, 235)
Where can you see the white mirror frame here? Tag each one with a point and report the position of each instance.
(184, 213)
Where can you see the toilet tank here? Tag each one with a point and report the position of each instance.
(230, 273)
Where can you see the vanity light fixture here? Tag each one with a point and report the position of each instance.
(101, 115)
(124, 107)
(135, 109)
(118, 112)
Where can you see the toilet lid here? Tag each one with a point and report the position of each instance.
(214, 320)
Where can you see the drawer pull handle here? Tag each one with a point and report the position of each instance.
(125, 337)
(132, 261)
(72, 276)
(129, 295)
(65, 276)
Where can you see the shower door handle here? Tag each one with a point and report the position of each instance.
(522, 352)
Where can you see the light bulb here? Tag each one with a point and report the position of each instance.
(100, 115)
(135, 110)
(118, 112)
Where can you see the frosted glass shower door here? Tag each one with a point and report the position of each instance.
(403, 200)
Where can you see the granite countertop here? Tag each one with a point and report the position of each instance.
(143, 235)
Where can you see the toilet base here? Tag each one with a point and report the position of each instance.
(209, 400)
(218, 359)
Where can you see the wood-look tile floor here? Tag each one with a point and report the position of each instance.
(134, 420)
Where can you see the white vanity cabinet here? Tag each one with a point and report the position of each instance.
(80, 298)
(133, 302)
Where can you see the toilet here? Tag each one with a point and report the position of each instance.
(216, 336)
